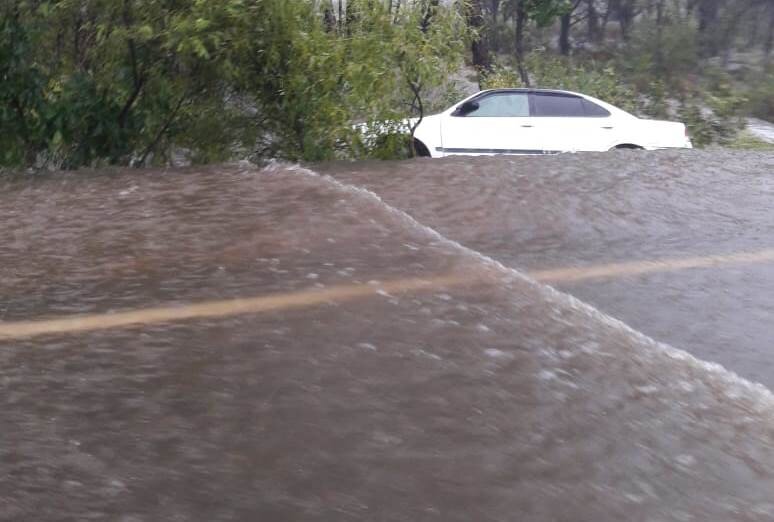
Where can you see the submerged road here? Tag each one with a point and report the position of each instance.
(318, 296)
(629, 216)
(237, 344)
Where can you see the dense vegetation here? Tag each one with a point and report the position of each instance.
(707, 62)
(136, 81)
(139, 82)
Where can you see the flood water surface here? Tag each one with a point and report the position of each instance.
(453, 388)
(594, 210)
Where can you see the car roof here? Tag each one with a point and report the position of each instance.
(530, 90)
(610, 108)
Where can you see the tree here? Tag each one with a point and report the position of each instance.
(566, 23)
(309, 84)
(21, 92)
(425, 55)
(542, 13)
(593, 29)
(625, 11)
(708, 18)
(479, 45)
(769, 42)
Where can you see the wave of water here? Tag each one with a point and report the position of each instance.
(733, 384)
(498, 399)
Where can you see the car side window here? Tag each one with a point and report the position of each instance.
(557, 106)
(594, 111)
(502, 105)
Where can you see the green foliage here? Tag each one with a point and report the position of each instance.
(727, 109)
(544, 12)
(395, 145)
(136, 82)
(656, 103)
(712, 117)
(667, 53)
(139, 82)
(311, 83)
(22, 103)
(699, 126)
(426, 57)
(103, 81)
(555, 72)
(761, 95)
(714, 111)
(296, 73)
(501, 77)
(746, 141)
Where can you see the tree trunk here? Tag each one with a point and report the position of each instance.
(350, 16)
(769, 43)
(417, 92)
(625, 17)
(521, 21)
(605, 19)
(592, 22)
(429, 7)
(494, 41)
(495, 9)
(329, 18)
(564, 34)
(708, 20)
(730, 30)
(659, 58)
(480, 50)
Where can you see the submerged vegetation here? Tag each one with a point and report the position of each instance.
(141, 82)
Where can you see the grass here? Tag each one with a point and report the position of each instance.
(747, 141)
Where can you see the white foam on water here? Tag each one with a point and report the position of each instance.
(735, 386)
(494, 353)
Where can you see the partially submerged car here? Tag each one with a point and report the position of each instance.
(539, 121)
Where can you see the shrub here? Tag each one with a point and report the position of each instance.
(761, 97)
(553, 72)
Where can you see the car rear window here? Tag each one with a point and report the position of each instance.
(502, 105)
(557, 105)
(593, 110)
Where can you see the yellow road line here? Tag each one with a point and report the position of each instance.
(613, 270)
(223, 308)
(307, 298)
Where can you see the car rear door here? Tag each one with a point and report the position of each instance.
(570, 123)
(500, 125)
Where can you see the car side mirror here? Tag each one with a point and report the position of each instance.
(466, 108)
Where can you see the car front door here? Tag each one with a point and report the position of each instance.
(569, 123)
(497, 123)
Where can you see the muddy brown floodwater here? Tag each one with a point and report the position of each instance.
(360, 341)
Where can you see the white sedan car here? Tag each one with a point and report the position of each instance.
(536, 121)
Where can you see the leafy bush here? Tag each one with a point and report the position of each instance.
(713, 110)
(712, 117)
(761, 96)
(746, 141)
(666, 54)
(699, 126)
(90, 82)
(501, 77)
(554, 72)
